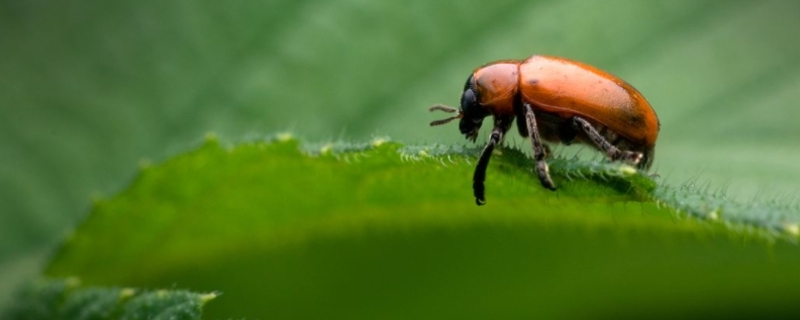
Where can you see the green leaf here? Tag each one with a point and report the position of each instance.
(379, 230)
(66, 299)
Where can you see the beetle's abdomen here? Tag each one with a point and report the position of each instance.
(568, 88)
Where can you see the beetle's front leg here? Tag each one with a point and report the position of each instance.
(611, 151)
(539, 152)
(501, 126)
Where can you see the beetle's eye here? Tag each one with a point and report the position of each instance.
(468, 102)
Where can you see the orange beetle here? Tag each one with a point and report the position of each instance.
(557, 100)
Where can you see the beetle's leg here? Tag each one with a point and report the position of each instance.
(501, 126)
(612, 151)
(538, 149)
(546, 148)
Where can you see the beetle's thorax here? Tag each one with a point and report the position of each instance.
(497, 85)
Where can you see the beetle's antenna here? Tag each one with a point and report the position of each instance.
(443, 121)
(442, 107)
(447, 109)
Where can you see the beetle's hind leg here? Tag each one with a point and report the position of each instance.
(604, 145)
(539, 151)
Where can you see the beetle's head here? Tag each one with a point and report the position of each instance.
(471, 113)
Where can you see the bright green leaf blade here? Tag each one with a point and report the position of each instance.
(393, 232)
(65, 299)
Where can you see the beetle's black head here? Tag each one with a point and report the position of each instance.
(471, 110)
(471, 113)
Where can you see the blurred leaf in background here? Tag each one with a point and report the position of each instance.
(88, 89)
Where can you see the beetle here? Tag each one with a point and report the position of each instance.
(556, 100)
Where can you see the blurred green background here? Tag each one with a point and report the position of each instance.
(89, 89)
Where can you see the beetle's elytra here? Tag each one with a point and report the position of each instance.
(556, 100)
